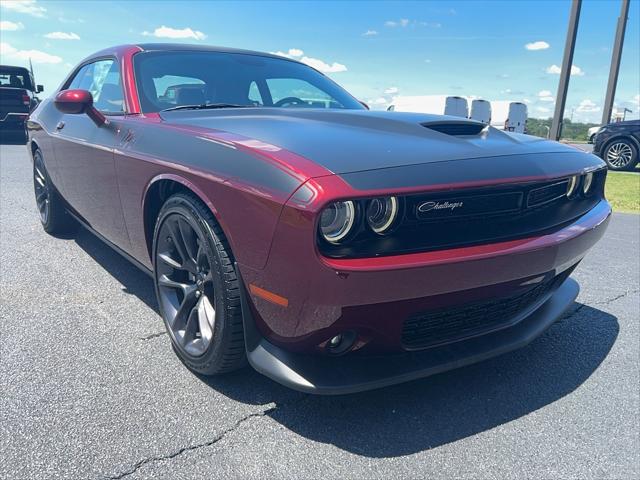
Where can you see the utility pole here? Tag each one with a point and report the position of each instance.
(565, 73)
(615, 62)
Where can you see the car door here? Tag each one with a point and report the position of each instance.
(84, 152)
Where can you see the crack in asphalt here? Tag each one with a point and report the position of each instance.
(601, 303)
(154, 335)
(238, 423)
(220, 436)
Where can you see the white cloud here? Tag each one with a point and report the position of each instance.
(322, 66)
(316, 63)
(587, 106)
(391, 90)
(62, 36)
(30, 7)
(168, 32)
(543, 109)
(6, 49)
(403, 22)
(526, 100)
(539, 45)
(36, 56)
(10, 26)
(370, 33)
(291, 53)
(378, 101)
(555, 70)
(545, 96)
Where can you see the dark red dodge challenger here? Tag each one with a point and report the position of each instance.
(335, 248)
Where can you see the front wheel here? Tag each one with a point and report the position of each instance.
(197, 288)
(53, 215)
(621, 154)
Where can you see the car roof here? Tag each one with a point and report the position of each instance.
(154, 47)
(10, 68)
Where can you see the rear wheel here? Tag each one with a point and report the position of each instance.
(197, 288)
(621, 154)
(53, 215)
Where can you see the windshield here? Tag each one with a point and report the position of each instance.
(16, 78)
(176, 78)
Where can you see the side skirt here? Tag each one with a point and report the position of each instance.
(110, 244)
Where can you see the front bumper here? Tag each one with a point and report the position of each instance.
(342, 375)
(374, 296)
(456, 276)
(13, 123)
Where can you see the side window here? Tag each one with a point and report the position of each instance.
(102, 79)
(254, 94)
(75, 83)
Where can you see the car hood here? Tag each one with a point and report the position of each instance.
(347, 141)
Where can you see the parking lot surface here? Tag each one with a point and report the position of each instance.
(90, 387)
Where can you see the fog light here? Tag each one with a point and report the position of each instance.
(341, 343)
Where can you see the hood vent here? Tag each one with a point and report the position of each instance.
(456, 128)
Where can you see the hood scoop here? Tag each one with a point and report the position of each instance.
(456, 129)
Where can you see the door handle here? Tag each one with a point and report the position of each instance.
(60, 126)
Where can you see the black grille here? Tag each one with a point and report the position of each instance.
(456, 128)
(548, 193)
(473, 216)
(436, 327)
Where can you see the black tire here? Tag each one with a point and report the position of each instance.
(621, 154)
(190, 251)
(54, 217)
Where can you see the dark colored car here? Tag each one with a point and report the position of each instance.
(17, 98)
(336, 249)
(618, 144)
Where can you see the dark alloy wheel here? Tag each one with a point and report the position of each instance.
(196, 287)
(41, 188)
(621, 154)
(53, 214)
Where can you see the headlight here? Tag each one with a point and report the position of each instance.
(381, 213)
(572, 186)
(587, 182)
(336, 221)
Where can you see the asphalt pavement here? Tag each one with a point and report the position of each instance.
(90, 387)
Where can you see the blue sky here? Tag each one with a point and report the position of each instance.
(501, 50)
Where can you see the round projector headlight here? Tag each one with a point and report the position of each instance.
(381, 213)
(336, 221)
(572, 186)
(587, 182)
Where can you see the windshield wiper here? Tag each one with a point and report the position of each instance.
(205, 106)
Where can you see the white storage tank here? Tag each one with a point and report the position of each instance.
(517, 119)
(457, 107)
(481, 111)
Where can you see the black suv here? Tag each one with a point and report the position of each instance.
(618, 144)
(17, 99)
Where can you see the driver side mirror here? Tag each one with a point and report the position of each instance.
(77, 102)
(39, 89)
